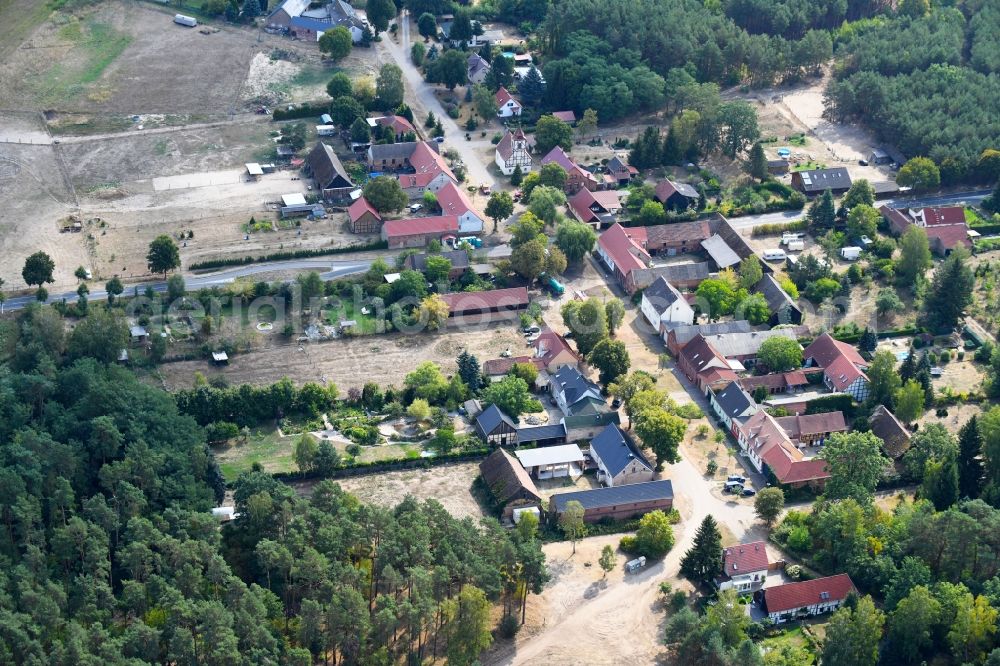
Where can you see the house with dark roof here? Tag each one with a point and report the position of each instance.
(744, 567)
(743, 347)
(784, 309)
(496, 428)
(770, 450)
(812, 429)
(281, 17)
(779, 382)
(577, 178)
(459, 261)
(778, 167)
(620, 171)
(732, 404)
(703, 365)
(677, 338)
(738, 247)
(682, 276)
(326, 169)
(509, 483)
(551, 434)
(598, 208)
(477, 68)
(620, 252)
(843, 366)
(498, 303)
(817, 181)
(676, 237)
(619, 461)
(808, 598)
(512, 152)
(574, 393)
(676, 196)
(665, 307)
(894, 435)
(616, 502)
(363, 217)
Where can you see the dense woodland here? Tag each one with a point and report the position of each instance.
(110, 555)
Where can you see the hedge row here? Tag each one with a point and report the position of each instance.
(778, 228)
(304, 111)
(290, 254)
(388, 465)
(852, 338)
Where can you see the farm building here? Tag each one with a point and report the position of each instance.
(597, 208)
(425, 170)
(507, 106)
(417, 232)
(767, 446)
(496, 428)
(704, 366)
(682, 276)
(542, 435)
(676, 196)
(551, 351)
(843, 366)
(894, 435)
(677, 337)
(676, 238)
(784, 309)
(812, 429)
(618, 502)
(817, 181)
(664, 307)
(326, 169)
(552, 462)
(363, 217)
(498, 302)
(453, 201)
(621, 251)
(620, 171)
(574, 393)
(459, 261)
(732, 404)
(945, 227)
(509, 482)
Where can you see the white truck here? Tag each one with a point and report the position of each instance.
(187, 21)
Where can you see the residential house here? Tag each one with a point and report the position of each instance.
(665, 307)
(808, 598)
(817, 181)
(328, 172)
(587, 426)
(744, 567)
(487, 305)
(401, 127)
(477, 68)
(616, 502)
(384, 157)
(552, 352)
(677, 338)
(425, 171)
(676, 196)
(620, 252)
(704, 366)
(778, 382)
(299, 20)
(507, 106)
(677, 237)
(574, 393)
(459, 261)
(886, 188)
(363, 217)
(682, 276)
(732, 405)
(138, 335)
(843, 367)
(619, 461)
(509, 483)
(552, 462)
(620, 172)
(512, 152)
(812, 429)
(769, 449)
(743, 347)
(894, 435)
(281, 17)
(598, 209)
(453, 201)
(417, 232)
(945, 227)
(577, 178)
(496, 428)
(496, 369)
(784, 309)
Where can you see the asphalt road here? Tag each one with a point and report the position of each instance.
(969, 197)
(328, 269)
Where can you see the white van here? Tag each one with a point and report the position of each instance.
(790, 236)
(796, 245)
(774, 255)
(850, 253)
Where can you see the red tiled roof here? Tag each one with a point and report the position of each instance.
(581, 202)
(766, 438)
(775, 380)
(943, 215)
(496, 299)
(550, 344)
(503, 96)
(359, 208)
(420, 225)
(804, 425)
(626, 253)
(715, 375)
(453, 201)
(949, 236)
(501, 366)
(399, 124)
(565, 116)
(744, 558)
(825, 349)
(842, 373)
(426, 160)
(791, 596)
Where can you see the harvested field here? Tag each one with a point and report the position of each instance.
(383, 359)
(451, 485)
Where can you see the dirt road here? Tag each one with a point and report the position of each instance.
(423, 100)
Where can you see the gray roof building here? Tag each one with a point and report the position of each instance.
(574, 387)
(784, 309)
(734, 401)
(616, 495)
(688, 274)
(661, 294)
(541, 435)
(816, 181)
(684, 334)
(617, 451)
(327, 169)
(735, 345)
(723, 255)
(490, 418)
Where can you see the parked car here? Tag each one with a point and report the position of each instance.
(748, 492)
(616, 403)
(531, 329)
(733, 487)
(737, 478)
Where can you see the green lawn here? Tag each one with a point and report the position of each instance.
(95, 46)
(275, 454)
(793, 637)
(344, 310)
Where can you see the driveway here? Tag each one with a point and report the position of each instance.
(422, 100)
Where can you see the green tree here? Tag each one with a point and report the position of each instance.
(114, 287)
(527, 228)
(662, 432)
(757, 163)
(517, 176)
(339, 86)
(437, 269)
(510, 395)
(970, 464)
(101, 335)
(932, 442)
(484, 101)
(883, 378)
(427, 381)
(551, 132)
(861, 192)
(822, 213)
(651, 214)
(607, 560)
(751, 272)
(450, 68)
(417, 53)
(888, 302)
(912, 625)
(499, 207)
(588, 322)
(971, 633)
(768, 505)
(176, 288)
(389, 84)
(360, 132)
(466, 625)
(611, 359)
(336, 44)
(571, 522)
(38, 269)
(434, 311)
(552, 175)
(575, 239)
(532, 88)
(940, 484)
(587, 124)
(919, 173)
(427, 25)
(555, 262)
(950, 292)
(545, 201)
(615, 311)
(909, 400)
(528, 260)
(780, 354)
(702, 563)
(718, 295)
(380, 12)
(469, 370)
(754, 308)
(345, 110)
(306, 449)
(853, 635)
(862, 221)
(163, 255)
(915, 255)
(855, 463)
(655, 536)
(385, 194)
(737, 126)
(627, 387)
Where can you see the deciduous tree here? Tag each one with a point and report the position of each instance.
(575, 239)
(336, 43)
(163, 255)
(571, 522)
(611, 359)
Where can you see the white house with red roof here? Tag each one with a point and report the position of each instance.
(551, 351)
(744, 567)
(945, 226)
(400, 125)
(621, 250)
(507, 106)
(512, 152)
(363, 217)
(765, 443)
(843, 366)
(808, 598)
(453, 201)
(430, 172)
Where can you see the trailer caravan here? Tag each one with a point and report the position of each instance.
(187, 21)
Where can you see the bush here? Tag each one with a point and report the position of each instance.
(677, 601)
(353, 450)
(454, 113)
(221, 431)
(712, 467)
(628, 544)
(509, 626)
